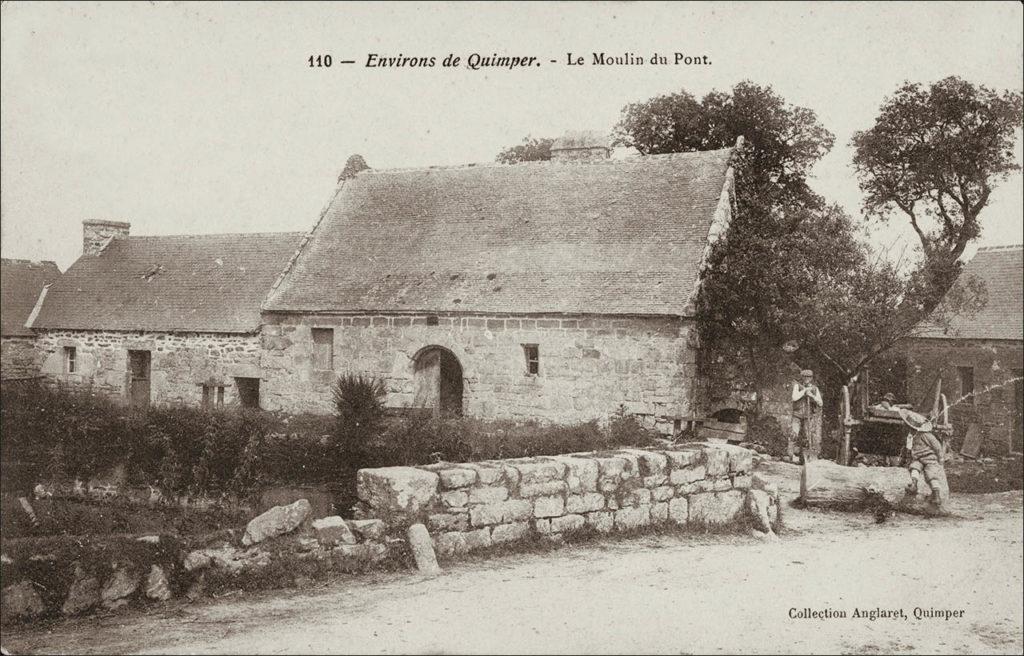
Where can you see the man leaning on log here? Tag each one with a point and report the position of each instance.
(925, 457)
(806, 425)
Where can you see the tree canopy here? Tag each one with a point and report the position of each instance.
(531, 150)
(934, 155)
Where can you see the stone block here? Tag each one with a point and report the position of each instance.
(630, 518)
(741, 482)
(651, 463)
(402, 490)
(679, 510)
(542, 526)
(497, 513)
(659, 512)
(510, 532)
(368, 529)
(158, 587)
(452, 479)
(83, 595)
(276, 521)
(663, 493)
(716, 508)
(687, 475)
(652, 482)
(584, 503)
(486, 474)
(455, 499)
(721, 485)
(540, 471)
(121, 584)
(487, 494)
(716, 461)
(548, 506)
(638, 497)
(450, 544)
(448, 522)
(530, 490)
(567, 523)
(683, 457)
(333, 530)
(517, 510)
(602, 521)
(22, 600)
(581, 473)
(478, 539)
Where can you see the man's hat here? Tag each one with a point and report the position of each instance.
(916, 421)
(806, 372)
(889, 396)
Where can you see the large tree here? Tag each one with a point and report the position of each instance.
(934, 156)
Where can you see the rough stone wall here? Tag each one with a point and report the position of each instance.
(994, 362)
(19, 357)
(180, 362)
(588, 366)
(475, 505)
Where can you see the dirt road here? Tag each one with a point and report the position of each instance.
(654, 595)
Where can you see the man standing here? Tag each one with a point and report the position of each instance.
(925, 457)
(806, 428)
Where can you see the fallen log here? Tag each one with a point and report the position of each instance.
(825, 484)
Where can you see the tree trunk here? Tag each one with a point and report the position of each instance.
(824, 484)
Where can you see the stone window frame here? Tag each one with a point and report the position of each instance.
(960, 370)
(532, 354)
(211, 398)
(70, 359)
(328, 358)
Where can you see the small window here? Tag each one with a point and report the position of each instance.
(966, 376)
(213, 395)
(323, 349)
(532, 352)
(432, 320)
(70, 359)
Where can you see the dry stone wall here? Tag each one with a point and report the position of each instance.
(588, 366)
(180, 362)
(474, 505)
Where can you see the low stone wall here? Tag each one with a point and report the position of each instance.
(474, 505)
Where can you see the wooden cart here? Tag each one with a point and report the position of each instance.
(877, 433)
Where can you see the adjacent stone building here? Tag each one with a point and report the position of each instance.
(21, 283)
(557, 290)
(980, 358)
(168, 319)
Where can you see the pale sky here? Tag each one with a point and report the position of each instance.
(189, 118)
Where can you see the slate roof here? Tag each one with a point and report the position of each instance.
(1001, 268)
(608, 237)
(20, 284)
(186, 283)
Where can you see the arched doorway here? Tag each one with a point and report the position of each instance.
(438, 378)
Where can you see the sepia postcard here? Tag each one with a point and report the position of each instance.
(512, 327)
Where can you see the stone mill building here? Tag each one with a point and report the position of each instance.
(556, 290)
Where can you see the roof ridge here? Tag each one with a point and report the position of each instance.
(632, 159)
(15, 260)
(1004, 247)
(198, 235)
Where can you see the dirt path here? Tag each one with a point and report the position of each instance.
(650, 595)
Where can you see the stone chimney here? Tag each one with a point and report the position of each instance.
(96, 234)
(580, 146)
